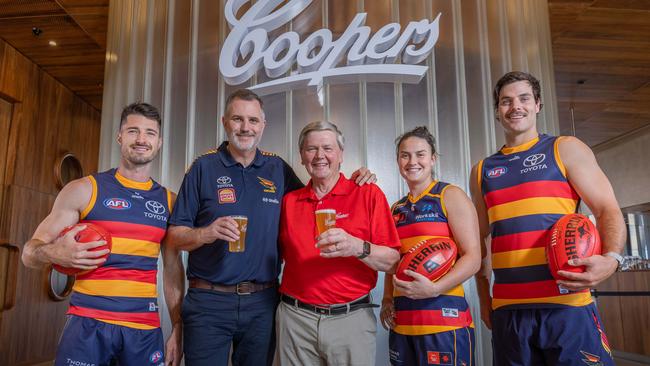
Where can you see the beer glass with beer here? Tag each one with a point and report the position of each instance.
(325, 220)
(239, 245)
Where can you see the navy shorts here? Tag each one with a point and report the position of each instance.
(213, 321)
(86, 341)
(454, 347)
(551, 336)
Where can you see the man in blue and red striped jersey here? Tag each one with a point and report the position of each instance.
(113, 314)
(519, 193)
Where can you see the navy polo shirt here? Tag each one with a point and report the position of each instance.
(216, 185)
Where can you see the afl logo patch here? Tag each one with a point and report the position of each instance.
(227, 195)
(117, 204)
(155, 357)
(497, 172)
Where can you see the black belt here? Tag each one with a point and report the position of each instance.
(242, 288)
(337, 309)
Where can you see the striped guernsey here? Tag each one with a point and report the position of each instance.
(526, 191)
(123, 290)
(417, 219)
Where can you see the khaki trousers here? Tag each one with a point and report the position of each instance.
(306, 338)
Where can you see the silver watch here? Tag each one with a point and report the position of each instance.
(618, 258)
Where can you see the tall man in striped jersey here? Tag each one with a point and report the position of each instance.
(113, 314)
(519, 193)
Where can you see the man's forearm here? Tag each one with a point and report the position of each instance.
(173, 282)
(184, 238)
(381, 258)
(612, 230)
(35, 254)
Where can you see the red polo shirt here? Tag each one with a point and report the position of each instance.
(362, 211)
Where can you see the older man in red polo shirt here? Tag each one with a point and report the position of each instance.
(326, 314)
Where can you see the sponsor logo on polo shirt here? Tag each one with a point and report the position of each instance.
(438, 358)
(224, 181)
(269, 186)
(340, 215)
(117, 204)
(271, 200)
(72, 362)
(227, 195)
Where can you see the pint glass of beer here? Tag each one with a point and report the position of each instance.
(239, 245)
(325, 220)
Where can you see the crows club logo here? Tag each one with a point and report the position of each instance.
(438, 358)
(591, 359)
(496, 172)
(269, 186)
(117, 204)
(155, 207)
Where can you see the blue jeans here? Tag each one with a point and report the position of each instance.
(213, 321)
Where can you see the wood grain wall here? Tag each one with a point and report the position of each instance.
(46, 120)
(627, 319)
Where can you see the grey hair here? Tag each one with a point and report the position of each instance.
(321, 126)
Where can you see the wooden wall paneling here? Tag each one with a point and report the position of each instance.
(46, 118)
(635, 314)
(5, 125)
(609, 308)
(30, 330)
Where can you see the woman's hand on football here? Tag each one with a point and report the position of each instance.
(420, 288)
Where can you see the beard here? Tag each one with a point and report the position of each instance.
(251, 144)
(140, 159)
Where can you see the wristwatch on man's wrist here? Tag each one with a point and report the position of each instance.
(366, 250)
(618, 258)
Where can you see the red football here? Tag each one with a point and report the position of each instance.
(573, 236)
(432, 258)
(92, 232)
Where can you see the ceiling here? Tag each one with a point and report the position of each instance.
(601, 51)
(79, 29)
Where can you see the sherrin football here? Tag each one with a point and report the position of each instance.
(431, 258)
(92, 232)
(573, 236)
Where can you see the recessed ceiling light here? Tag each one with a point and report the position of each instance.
(52, 43)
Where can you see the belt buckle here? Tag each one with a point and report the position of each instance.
(322, 310)
(243, 288)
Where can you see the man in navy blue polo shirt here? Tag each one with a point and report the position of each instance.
(233, 295)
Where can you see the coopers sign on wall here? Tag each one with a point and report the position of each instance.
(318, 56)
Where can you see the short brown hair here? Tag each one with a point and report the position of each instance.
(243, 94)
(513, 77)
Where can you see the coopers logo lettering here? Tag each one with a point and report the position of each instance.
(117, 204)
(387, 56)
(534, 162)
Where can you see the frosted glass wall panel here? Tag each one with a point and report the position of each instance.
(449, 118)
(344, 112)
(205, 76)
(275, 136)
(380, 135)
